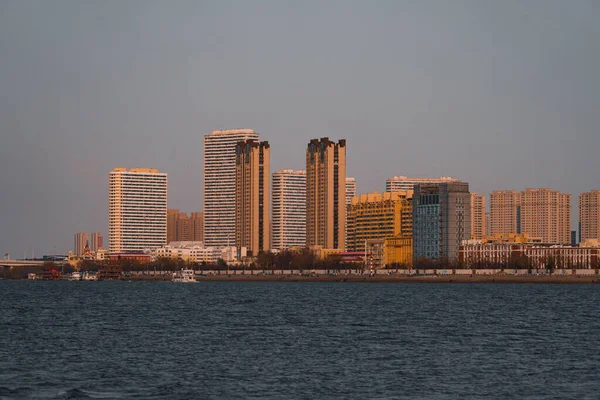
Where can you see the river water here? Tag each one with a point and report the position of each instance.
(215, 340)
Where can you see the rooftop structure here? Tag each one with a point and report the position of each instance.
(405, 183)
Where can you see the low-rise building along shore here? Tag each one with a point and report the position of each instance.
(195, 252)
(519, 250)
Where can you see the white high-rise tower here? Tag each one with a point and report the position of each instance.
(219, 185)
(350, 190)
(137, 210)
(289, 209)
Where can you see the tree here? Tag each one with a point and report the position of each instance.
(519, 261)
(424, 263)
(550, 264)
(265, 260)
(221, 264)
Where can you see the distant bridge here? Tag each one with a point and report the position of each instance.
(21, 263)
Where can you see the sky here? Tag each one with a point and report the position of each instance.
(501, 94)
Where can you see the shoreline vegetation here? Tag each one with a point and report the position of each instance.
(358, 276)
(303, 266)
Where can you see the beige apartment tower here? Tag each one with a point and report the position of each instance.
(540, 213)
(505, 212)
(589, 215)
(97, 241)
(546, 214)
(477, 216)
(172, 217)
(80, 241)
(197, 226)
(178, 226)
(252, 196)
(137, 210)
(326, 193)
(183, 228)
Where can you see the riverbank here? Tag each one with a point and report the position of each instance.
(563, 279)
(380, 278)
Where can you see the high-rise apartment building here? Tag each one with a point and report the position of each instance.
(137, 210)
(589, 215)
(326, 193)
(505, 212)
(197, 226)
(488, 225)
(219, 185)
(172, 216)
(546, 214)
(350, 190)
(253, 196)
(350, 194)
(97, 241)
(81, 240)
(540, 213)
(405, 183)
(477, 216)
(183, 228)
(441, 220)
(289, 209)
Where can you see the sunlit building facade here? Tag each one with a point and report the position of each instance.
(81, 239)
(137, 210)
(350, 189)
(326, 193)
(477, 215)
(253, 196)
(541, 213)
(405, 183)
(441, 220)
(589, 215)
(219, 185)
(384, 218)
(97, 241)
(288, 209)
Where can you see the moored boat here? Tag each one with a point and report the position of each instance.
(89, 276)
(185, 275)
(75, 276)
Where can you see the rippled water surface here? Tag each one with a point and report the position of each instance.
(298, 340)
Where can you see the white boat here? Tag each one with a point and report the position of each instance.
(31, 276)
(88, 276)
(185, 275)
(75, 276)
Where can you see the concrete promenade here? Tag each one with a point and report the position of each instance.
(404, 278)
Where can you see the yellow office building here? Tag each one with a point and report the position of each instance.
(383, 217)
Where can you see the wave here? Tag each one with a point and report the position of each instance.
(18, 392)
(73, 394)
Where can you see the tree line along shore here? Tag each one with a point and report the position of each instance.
(305, 266)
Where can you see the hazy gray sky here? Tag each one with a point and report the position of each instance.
(502, 94)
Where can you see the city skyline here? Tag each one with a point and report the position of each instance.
(500, 95)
